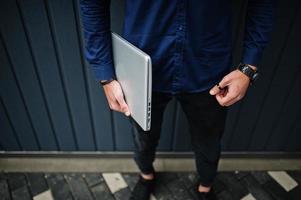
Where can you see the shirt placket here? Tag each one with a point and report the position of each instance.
(179, 44)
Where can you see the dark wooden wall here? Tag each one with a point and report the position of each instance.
(50, 101)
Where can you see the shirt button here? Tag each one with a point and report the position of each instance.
(180, 28)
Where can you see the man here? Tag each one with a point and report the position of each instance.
(189, 42)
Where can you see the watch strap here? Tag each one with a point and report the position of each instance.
(106, 82)
(248, 71)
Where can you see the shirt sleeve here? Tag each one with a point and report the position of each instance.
(259, 21)
(95, 16)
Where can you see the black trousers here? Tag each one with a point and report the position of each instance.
(206, 125)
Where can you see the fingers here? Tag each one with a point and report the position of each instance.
(231, 102)
(215, 90)
(235, 85)
(123, 106)
(115, 98)
(220, 86)
(114, 106)
(230, 97)
(117, 107)
(223, 100)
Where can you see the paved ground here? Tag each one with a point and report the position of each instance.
(259, 185)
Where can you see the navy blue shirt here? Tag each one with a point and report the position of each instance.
(189, 41)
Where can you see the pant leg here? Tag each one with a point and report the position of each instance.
(206, 124)
(145, 142)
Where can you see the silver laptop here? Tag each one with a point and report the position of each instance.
(133, 70)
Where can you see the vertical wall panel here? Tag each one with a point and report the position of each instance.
(293, 142)
(49, 99)
(122, 132)
(13, 40)
(284, 127)
(279, 87)
(28, 81)
(253, 104)
(37, 27)
(62, 20)
(9, 138)
(13, 109)
(285, 82)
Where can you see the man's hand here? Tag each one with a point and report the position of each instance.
(232, 88)
(115, 97)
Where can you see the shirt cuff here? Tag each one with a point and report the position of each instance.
(103, 72)
(251, 56)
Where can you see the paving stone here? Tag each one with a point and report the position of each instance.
(36, 182)
(131, 179)
(225, 195)
(284, 179)
(255, 188)
(178, 189)
(166, 177)
(232, 184)
(261, 176)
(78, 186)
(161, 192)
(4, 190)
(218, 186)
(2, 176)
(152, 197)
(122, 194)
(192, 193)
(295, 193)
(296, 175)
(170, 186)
(59, 187)
(189, 178)
(93, 178)
(46, 195)
(240, 174)
(248, 197)
(101, 191)
(21, 193)
(114, 181)
(16, 180)
(276, 191)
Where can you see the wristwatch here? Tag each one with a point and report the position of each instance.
(247, 70)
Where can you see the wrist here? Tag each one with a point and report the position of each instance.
(249, 70)
(105, 82)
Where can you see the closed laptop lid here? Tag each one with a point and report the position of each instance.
(133, 70)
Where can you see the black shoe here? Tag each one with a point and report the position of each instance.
(206, 195)
(143, 189)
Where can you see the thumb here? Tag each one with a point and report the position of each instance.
(220, 86)
(215, 90)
